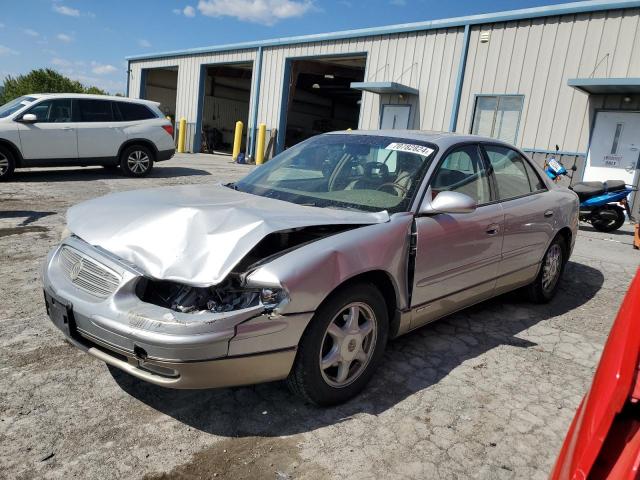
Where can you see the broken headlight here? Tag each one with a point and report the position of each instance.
(226, 297)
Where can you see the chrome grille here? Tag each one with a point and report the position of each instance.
(88, 274)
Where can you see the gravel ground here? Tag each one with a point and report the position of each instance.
(486, 393)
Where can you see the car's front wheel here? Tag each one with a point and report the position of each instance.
(7, 164)
(342, 346)
(136, 161)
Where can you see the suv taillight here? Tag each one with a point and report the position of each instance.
(168, 129)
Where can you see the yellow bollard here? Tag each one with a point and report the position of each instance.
(237, 141)
(262, 133)
(182, 135)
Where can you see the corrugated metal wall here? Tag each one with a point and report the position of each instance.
(536, 57)
(425, 60)
(532, 57)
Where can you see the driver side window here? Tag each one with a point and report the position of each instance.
(463, 171)
(52, 111)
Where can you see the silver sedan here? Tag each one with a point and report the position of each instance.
(304, 269)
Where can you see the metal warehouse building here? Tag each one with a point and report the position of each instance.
(566, 75)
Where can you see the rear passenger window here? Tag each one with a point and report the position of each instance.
(463, 171)
(130, 112)
(513, 173)
(95, 111)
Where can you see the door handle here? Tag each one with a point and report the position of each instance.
(67, 128)
(548, 213)
(492, 229)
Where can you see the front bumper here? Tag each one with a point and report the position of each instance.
(164, 347)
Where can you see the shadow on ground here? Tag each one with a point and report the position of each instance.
(91, 173)
(412, 363)
(589, 228)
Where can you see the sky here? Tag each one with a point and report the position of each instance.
(88, 40)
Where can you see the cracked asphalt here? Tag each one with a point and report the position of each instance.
(486, 393)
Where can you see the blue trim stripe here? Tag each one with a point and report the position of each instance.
(128, 77)
(256, 100)
(510, 15)
(197, 141)
(457, 95)
(284, 106)
(143, 83)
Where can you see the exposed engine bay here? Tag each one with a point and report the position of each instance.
(230, 295)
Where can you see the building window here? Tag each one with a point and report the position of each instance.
(497, 116)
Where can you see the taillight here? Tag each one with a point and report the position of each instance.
(168, 129)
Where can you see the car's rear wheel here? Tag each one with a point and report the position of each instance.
(342, 346)
(136, 161)
(545, 286)
(7, 164)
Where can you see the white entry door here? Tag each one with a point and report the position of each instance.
(614, 152)
(395, 117)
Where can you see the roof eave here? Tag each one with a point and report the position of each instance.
(505, 16)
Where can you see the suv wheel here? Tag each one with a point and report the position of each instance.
(7, 164)
(340, 351)
(136, 161)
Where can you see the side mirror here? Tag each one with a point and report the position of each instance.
(29, 118)
(448, 202)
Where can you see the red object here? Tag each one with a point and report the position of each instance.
(604, 438)
(168, 129)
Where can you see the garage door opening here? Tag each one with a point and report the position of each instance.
(320, 97)
(227, 91)
(161, 85)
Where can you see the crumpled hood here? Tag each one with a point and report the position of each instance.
(194, 234)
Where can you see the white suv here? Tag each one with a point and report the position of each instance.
(46, 130)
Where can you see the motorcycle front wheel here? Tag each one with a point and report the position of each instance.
(605, 223)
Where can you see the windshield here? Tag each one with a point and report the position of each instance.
(362, 172)
(14, 105)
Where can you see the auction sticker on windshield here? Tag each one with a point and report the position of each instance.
(410, 148)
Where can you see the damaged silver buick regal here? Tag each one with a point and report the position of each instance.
(306, 267)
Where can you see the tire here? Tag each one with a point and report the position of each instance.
(326, 338)
(609, 225)
(133, 163)
(7, 164)
(545, 286)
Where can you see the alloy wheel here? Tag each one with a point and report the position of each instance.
(551, 268)
(4, 165)
(348, 344)
(138, 161)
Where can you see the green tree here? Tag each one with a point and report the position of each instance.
(44, 80)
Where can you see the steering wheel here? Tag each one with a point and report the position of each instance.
(399, 188)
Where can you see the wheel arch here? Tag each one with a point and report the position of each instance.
(15, 151)
(383, 281)
(567, 234)
(139, 141)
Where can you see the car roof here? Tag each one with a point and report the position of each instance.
(92, 97)
(441, 139)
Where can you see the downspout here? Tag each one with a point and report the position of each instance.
(457, 94)
(256, 101)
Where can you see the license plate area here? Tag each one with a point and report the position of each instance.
(60, 313)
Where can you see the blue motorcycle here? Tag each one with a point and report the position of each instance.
(599, 201)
